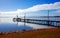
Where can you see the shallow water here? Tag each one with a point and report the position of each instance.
(12, 27)
(7, 24)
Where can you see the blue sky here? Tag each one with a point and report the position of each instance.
(30, 7)
(12, 5)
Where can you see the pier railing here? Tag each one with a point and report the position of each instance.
(44, 17)
(40, 22)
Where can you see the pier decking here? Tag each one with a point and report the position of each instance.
(40, 22)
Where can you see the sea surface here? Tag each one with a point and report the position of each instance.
(7, 24)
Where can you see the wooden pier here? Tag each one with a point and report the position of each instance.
(40, 22)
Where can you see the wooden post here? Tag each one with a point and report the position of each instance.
(48, 17)
(24, 21)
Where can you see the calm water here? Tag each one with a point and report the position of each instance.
(7, 24)
(12, 27)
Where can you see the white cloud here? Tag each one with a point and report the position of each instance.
(55, 5)
(9, 13)
(35, 8)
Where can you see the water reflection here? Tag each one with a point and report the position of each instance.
(7, 24)
(12, 27)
